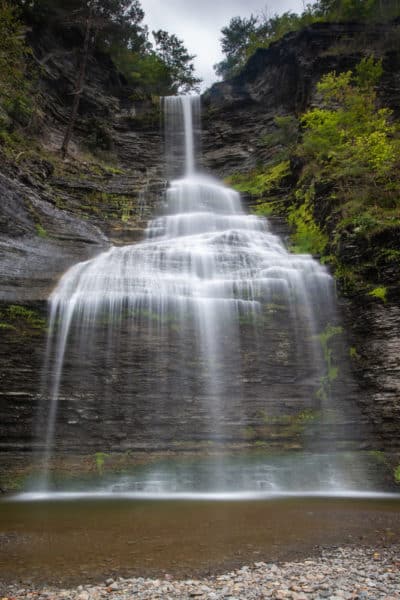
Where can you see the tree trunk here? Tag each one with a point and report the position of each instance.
(79, 82)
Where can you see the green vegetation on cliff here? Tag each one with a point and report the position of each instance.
(21, 321)
(339, 185)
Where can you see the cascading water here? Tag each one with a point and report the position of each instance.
(204, 336)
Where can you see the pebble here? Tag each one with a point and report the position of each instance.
(341, 574)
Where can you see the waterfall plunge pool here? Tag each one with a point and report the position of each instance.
(69, 541)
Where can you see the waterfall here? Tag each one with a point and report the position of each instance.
(189, 336)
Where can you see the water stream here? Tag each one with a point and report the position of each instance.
(196, 335)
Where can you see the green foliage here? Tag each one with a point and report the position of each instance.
(107, 205)
(148, 71)
(363, 10)
(236, 38)
(100, 458)
(378, 456)
(350, 137)
(21, 320)
(353, 353)
(271, 29)
(396, 474)
(332, 371)
(241, 38)
(259, 183)
(348, 151)
(115, 22)
(162, 67)
(379, 292)
(40, 230)
(165, 69)
(178, 62)
(14, 52)
(307, 237)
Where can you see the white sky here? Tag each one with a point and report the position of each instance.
(199, 22)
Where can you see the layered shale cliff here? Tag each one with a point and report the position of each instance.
(55, 213)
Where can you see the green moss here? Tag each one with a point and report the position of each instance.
(108, 206)
(332, 371)
(260, 444)
(22, 320)
(40, 230)
(249, 433)
(288, 425)
(379, 292)
(113, 170)
(100, 458)
(307, 237)
(260, 182)
(7, 326)
(396, 474)
(353, 353)
(378, 456)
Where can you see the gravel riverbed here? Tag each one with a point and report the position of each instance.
(340, 574)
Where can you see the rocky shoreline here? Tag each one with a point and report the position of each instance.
(336, 574)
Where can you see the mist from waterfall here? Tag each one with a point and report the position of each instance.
(189, 336)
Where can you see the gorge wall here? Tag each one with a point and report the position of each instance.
(55, 213)
(282, 80)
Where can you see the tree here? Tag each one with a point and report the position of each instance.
(235, 40)
(112, 24)
(80, 79)
(178, 61)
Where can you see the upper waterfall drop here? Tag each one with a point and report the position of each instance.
(182, 134)
(192, 334)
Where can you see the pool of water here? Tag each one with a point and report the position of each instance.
(64, 540)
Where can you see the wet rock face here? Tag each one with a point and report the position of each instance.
(374, 330)
(38, 242)
(144, 385)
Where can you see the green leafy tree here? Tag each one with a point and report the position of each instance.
(179, 62)
(235, 40)
(146, 72)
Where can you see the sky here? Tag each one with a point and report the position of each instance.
(199, 22)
